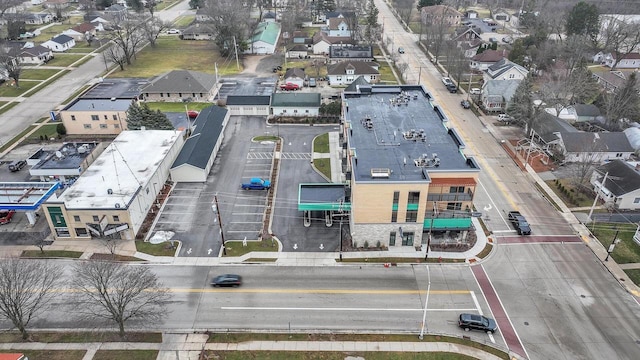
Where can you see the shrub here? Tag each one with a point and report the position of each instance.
(366, 244)
(378, 244)
(60, 129)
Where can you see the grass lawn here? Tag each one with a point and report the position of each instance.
(7, 90)
(50, 254)
(485, 252)
(325, 355)
(126, 355)
(163, 249)
(386, 75)
(81, 337)
(64, 59)
(572, 197)
(165, 4)
(177, 54)
(177, 106)
(37, 74)
(321, 143)
(50, 354)
(324, 166)
(48, 130)
(184, 21)
(235, 248)
(626, 251)
(634, 275)
(265, 138)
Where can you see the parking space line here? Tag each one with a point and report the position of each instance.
(245, 222)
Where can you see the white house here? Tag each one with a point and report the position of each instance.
(344, 73)
(505, 70)
(60, 43)
(628, 61)
(264, 39)
(595, 147)
(35, 55)
(295, 76)
(322, 42)
(487, 58)
(338, 27)
(621, 188)
(295, 104)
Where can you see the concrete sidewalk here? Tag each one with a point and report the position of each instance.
(189, 346)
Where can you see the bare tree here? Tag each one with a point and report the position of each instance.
(230, 22)
(26, 290)
(151, 29)
(115, 55)
(435, 29)
(111, 245)
(127, 36)
(119, 293)
(402, 69)
(621, 37)
(10, 64)
(624, 103)
(8, 4)
(585, 162)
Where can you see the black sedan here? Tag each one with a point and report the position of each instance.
(465, 104)
(226, 280)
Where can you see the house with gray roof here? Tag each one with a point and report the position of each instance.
(344, 73)
(487, 58)
(60, 43)
(295, 76)
(338, 53)
(621, 188)
(505, 70)
(177, 85)
(547, 128)
(496, 95)
(198, 31)
(297, 51)
(595, 147)
(195, 160)
(252, 105)
(296, 104)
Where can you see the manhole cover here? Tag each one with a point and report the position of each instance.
(526, 323)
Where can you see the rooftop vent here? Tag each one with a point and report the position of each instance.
(379, 173)
(425, 161)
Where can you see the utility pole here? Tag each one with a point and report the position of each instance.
(235, 46)
(426, 301)
(433, 215)
(595, 201)
(612, 246)
(216, 209)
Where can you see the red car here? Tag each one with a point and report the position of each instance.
(289, 86)
(5, 216)
(192, 114)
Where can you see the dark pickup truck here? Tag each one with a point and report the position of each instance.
(519, 223)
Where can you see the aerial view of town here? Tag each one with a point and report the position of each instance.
(319, 179)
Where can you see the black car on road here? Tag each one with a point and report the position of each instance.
(477, 322)
(226, 280)
(465, 104)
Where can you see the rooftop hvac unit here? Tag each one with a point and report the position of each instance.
(378, 173)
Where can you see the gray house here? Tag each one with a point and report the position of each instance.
(178, 85)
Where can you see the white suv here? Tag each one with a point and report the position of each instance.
(446, 81)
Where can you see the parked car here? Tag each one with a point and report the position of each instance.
(507, 39)
(312, 82)
(256, 184)
(504, 118)
(477, 322)
(173, 31)
(465, 104)
(289, 86)
(493, 40)
(447, 81)
(452, 88)
(227, 280)
(401, 50)
(192, 114)
(475, 91)
(17, 165)
(5, 216)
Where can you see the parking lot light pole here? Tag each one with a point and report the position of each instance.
(216, 209)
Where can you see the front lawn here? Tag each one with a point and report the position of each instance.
(177, 54)
(8, 90)
(64, 59)
(162, 249)
(125, 355)
(626, 251)
(47, 130)
(177, 106)
(569, 193)
(386, 75)
(323, 165)
(321, 143)
(38, 74)
(634, 275)
(235, 248)
(50, 254)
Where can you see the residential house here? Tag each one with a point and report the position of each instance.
(296, 104)
(196, 157)
(202, 15)
(613, 80)
(295, 76)
(487, 58)
(115, 12)
(178, 85)
(441, 14)
(300, 37)
(83, 31)
(297, 51)
(505, 70)
(471, 14)
(198, 31)
(470, 48)
(577, 113)
(95, 116)
(36, 55)
(38, 18)
(322, 42)
(338, 53)
(595, 147)
(496, 95)
(547, 129)
(339, 27)
(621, 188)
(112, 198)
(264, 39)
(465, 33)
(60, 43)
(345, 72)
(628, 61)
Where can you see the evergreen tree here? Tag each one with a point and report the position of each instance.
(140, 115)
(371, 22)
(583, 19)
(423, 3)
(521, 106)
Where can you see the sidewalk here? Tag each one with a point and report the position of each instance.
(189, 346)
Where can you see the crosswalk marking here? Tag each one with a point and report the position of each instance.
(284, 155)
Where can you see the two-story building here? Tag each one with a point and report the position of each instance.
(345, 72)
(95, 116)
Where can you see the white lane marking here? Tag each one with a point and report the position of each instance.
(504, 231)
(475, 301)
(491, 337)
(493, 202)
(333, 309)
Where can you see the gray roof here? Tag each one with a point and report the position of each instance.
(355, 84)
(596, 142)
(99, 105)
(120, 88)
(298, 47)
(261, 86)
(185, 81)
(358, 67)
(504, 88)
(392, 111)
(294, 72)
(198, 28)
(503, 66)
(36, 50)
(547, 125)
(296, 99)
(622, 178)
(199, 146)
(586, 110)
(350, 52)
(62, 39)
(248, 100)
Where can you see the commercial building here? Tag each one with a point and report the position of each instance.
(95, 116)
(406, 171)
(66, 163)
(111, 199)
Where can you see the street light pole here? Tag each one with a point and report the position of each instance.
(433, 215)
(216, 209)
(426, 301)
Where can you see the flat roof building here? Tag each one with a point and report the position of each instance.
(66, 163)
(113, 196)
(406, 168)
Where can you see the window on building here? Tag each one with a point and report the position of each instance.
(168, 94)
(116, 218)
(456, 189)
(284, 111)
(619, 155)
(179, 94)
(407, 238)
(306, 111)
(295, 111)
(161, 95)
(103, 126)
(76, 218)
(106, 117)
(200, 94)
(115, 117)
(63, 232)
(412, 215)
(95, 117)
(193, 94)
(636, 200)
(396, 197)
(82, 232)
(392, 238)
(117, 126)
(87, 126)
(96, 218)
(394, 216)
(73, 117)
(414, 197)
(454, 206)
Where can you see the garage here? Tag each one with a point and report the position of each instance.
(248, 105)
